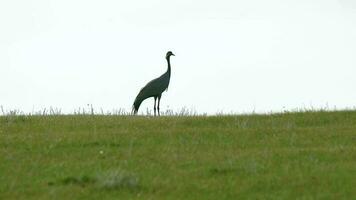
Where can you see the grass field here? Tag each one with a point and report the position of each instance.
(308, 155)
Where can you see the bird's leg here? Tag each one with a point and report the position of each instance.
(154, 106)
(159, 100)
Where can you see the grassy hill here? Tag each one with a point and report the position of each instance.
(309, 155)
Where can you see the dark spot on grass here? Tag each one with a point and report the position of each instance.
(82, 181)
(112, 180)
(112, 144)
(222, 171)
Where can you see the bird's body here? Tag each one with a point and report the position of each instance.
(154, 88)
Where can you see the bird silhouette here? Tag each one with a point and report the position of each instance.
(154, 88)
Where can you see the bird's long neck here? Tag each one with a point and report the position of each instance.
(169, 65)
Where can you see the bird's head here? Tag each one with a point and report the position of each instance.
(169, 54)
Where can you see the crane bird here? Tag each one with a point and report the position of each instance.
(154, 88)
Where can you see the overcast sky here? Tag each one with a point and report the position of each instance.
(231, 55)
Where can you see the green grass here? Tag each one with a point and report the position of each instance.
(310, 155)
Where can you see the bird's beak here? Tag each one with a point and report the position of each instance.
(173, 54)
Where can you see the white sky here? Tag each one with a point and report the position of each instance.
(231, 55)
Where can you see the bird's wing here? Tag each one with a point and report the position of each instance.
(152, 88)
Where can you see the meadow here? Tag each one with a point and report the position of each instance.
(302, 155)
